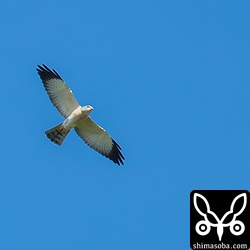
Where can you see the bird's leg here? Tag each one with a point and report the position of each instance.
(62, 129)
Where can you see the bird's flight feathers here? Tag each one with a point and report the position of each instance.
(98, 139)
(59, 93)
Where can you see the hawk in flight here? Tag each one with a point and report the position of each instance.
(76, 117)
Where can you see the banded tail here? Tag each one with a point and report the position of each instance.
(57, 134)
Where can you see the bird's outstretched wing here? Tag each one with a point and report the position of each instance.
(59, 93)
(98, 139)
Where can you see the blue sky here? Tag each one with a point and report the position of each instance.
(169, 81)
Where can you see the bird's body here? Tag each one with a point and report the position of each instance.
(76, 117)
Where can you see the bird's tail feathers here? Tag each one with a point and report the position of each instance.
(57, 134)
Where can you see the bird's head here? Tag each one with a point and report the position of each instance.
(86, 109)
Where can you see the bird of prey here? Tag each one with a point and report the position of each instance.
(76, 117)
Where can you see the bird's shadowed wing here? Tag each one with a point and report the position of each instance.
(59, 93)
(98, 139)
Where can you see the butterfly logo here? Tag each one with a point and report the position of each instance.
(203, 227)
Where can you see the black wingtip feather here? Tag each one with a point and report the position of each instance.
(116, 155)
(46, 73)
